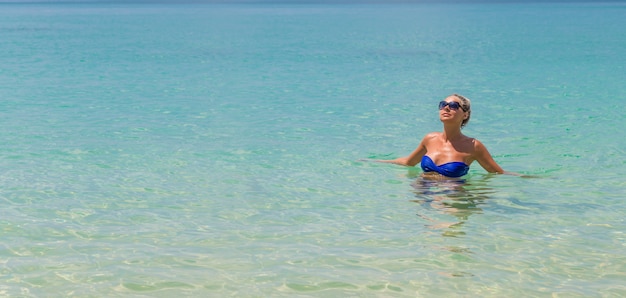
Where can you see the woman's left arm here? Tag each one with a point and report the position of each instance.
(484, 158)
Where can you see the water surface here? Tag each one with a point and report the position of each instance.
(213, 150)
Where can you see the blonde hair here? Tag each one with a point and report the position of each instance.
(466, 105)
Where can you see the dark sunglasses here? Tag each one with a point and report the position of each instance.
(453, 105)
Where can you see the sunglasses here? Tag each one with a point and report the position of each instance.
(453, 105)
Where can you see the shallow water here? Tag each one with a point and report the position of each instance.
(214, 150)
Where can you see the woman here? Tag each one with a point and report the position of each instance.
(450, 153)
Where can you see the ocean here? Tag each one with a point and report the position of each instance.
(216, 149)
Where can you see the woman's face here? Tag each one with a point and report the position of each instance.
(451, 110)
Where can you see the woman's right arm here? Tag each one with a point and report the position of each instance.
(412, 159)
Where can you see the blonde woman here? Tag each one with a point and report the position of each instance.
(450, 153)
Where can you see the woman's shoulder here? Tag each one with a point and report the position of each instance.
(478, 145)
(432, 135)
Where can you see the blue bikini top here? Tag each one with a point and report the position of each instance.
(451, 169)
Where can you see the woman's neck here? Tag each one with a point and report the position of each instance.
(451, 132)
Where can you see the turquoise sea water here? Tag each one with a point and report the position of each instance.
(213, 150)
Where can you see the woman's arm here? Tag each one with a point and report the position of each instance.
(484, 158)
(412, 159)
